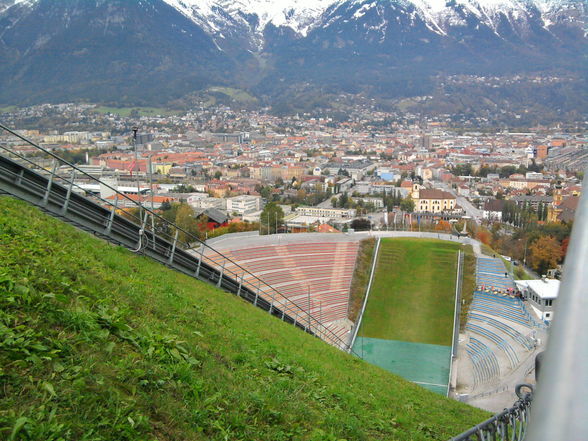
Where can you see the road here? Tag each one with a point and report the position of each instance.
(471, 211)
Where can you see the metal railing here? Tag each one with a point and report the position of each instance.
(508, 425)
(51, 180)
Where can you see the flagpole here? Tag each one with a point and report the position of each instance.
(135, 130)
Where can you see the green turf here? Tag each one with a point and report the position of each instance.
(97, 343)
(426, 365)
(413, 292)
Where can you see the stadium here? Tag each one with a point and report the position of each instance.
(435, 311)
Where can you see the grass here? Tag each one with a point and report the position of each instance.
(97, 343)
(469, 284)
(413, 293)
(361, 277)
(8, 109)
(141, 111)
(521, 274)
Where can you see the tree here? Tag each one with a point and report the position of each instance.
(186, 220)
(361, 224)
(271, 218)
(217, 175)
(407, 205)
(484, 236)
(545, 253)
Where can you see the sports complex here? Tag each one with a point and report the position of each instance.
(436, 310)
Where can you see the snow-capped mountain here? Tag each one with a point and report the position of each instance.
(252, 17)
(144, 50)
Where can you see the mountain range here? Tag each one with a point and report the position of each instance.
(158, 51)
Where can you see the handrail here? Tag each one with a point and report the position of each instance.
(508, 425)
(246, 277)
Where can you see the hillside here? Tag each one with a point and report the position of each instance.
(99, 344)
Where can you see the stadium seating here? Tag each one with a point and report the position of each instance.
(484, 361)
(504, 307)
(499, 341)
(321, 271)
(524, 341)
(490, 274)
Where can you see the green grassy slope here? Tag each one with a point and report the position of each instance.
(99, 344)
(413, 292)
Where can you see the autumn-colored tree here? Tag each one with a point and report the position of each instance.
(484, 236)
(545, 253)
(564, 246)
(442, 226)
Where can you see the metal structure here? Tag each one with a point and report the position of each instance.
(49, 182)
(508, 425)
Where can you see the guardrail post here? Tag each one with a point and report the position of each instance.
(197, 274)
(111, 217)
(49, 183)
(222, 272)
(240, 285)
(69, 190)
(154, 236)
(19, 177)
(271, 308)
(173, 250)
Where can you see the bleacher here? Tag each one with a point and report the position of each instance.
(486, 367)
(490, 273)
(503, 307)
(494, 320)
(515, 335)
(323, 270)
(500, 342)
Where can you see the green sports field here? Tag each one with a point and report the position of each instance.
(412, 295)
(408, 322)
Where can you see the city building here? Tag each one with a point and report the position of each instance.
(244, 204)
(331, 213)
(432, 200)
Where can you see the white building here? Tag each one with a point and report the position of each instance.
(540, 295)
(244, 204)
(204, 201)
(329, 213)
